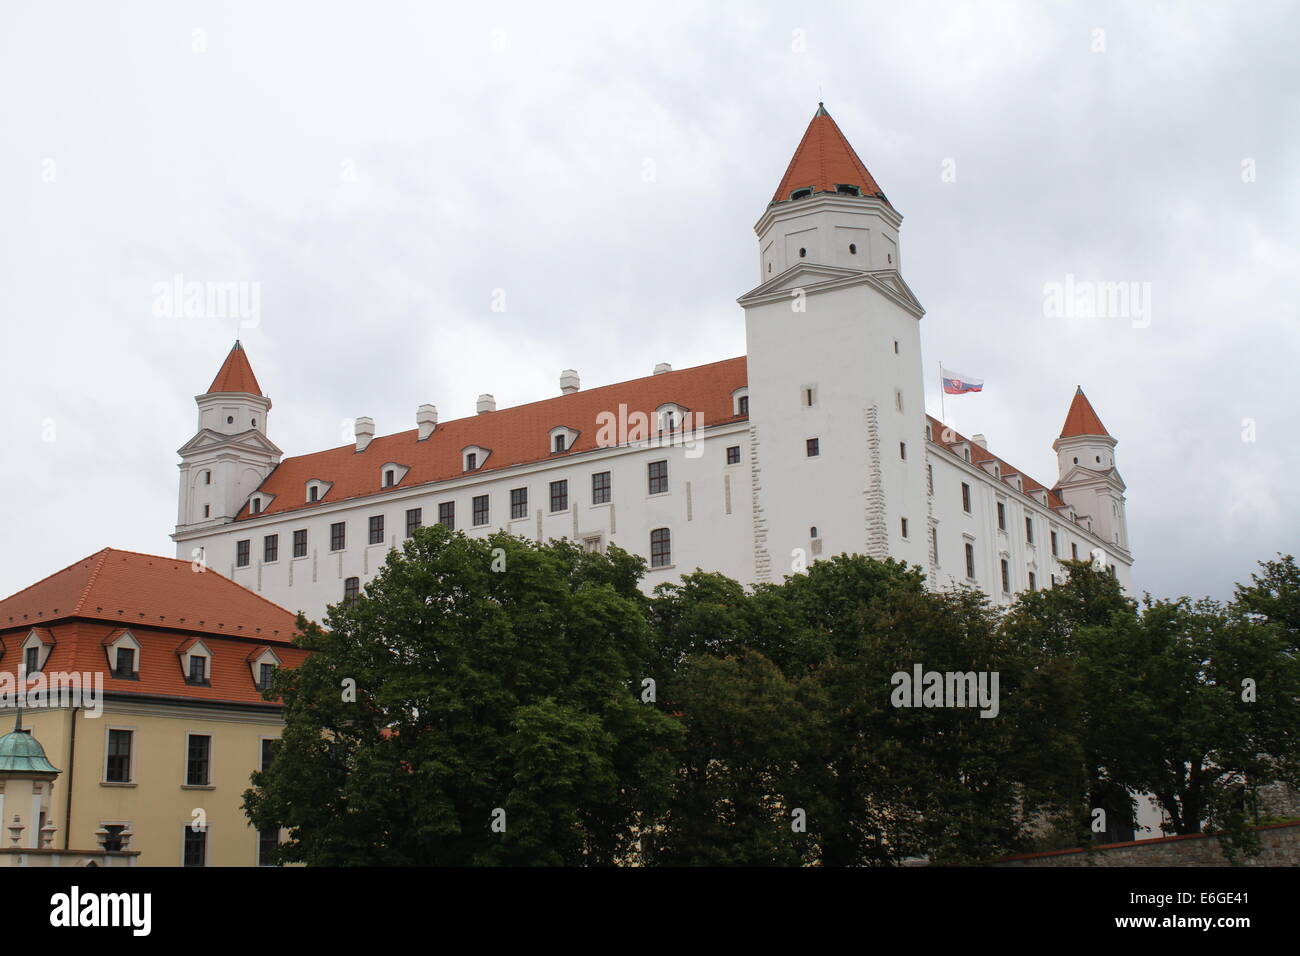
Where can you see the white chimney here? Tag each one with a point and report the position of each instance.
(981, 441)
(663, 367)
(426, 419)
(365, 429)
(486, 403)
(569, 381)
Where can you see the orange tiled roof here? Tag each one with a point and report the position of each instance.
(514, 436)
(947, 437)
(1081, 419)
(235, 374)
(80, 646)
(825, 160)
(127, 589)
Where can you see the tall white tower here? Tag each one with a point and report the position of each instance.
(836, 402)
(230, 455)
(1089, 481)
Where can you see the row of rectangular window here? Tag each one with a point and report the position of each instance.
(1002, 522)
(198, 757)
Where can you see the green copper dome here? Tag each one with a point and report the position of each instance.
(20, 751)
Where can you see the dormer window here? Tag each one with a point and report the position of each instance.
(562, 439)
(474, 457)
(36, 650)
(263, 662)
(740, 401)
(670, 417)
(804, 193)
(391, 474)
(389, 477)
(123, 652)
(844, 189)
(318, 489)
(195, 657)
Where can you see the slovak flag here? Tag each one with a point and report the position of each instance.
(954, 383)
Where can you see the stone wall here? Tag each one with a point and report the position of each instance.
(1280, 842)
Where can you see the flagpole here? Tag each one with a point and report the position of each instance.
(943, 417)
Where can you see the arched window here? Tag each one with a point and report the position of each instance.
(351, 589)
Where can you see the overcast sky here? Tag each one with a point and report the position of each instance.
(376, 171)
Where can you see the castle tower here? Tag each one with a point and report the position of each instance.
(1089, 481)
(836, 401)
(230, 455)
(26, 783)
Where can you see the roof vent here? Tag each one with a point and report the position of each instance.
(981, 441)
(569, 382)
(365, 431)
(486, 403)
(663, 367)
(426, 419)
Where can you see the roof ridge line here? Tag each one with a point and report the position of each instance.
(90, 581)
(53, 574)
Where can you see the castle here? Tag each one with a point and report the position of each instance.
(814, 443)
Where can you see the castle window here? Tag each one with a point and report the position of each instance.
(895, 346)
(197, 760)
(351, 589)
(1002, 516)
(812, 447)
(447, 515)
(265, 672)
(929, 479)
(1033, 582)
(903, 526)
(1029, 529)
(518, 503)
(338, 536)
(898, 399)
(388, 477)
(802, 253)
(1074, 551)
(241, 553)
(207, 511)
(257, 506)
(559, 442)
(377, 529)
(846, 190)
(268, 841)
(198, 672)
(207, 477)
(740, 401)
(479, 509)
(300, 543)
(254, 422)
(196, 846)
(1076, 460)
(1006, 577)
(744, 404)
(230, 419)
(117, 767)
(660, 548)
(658, 477)
(271, 548)
(802, 193)
(733, 454)
(414, 518)
(313, 493)
(965, 497)
(902, 450)
(600, 488)
(970, 560)
(559, 496)
(812, 532)
(471, 461)
(32, 660)
(1053, 537)
(809, 396)
(124, 663)
(853, 248)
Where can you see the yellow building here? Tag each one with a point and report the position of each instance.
(142, 678)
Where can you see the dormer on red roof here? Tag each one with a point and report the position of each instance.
(826, 163)
(1081, 419)
(235, 374)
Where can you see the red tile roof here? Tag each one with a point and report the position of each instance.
(130, 589)
(1081, 419)
(825, 160)
(947, 437)
(514, 436)
(235, 374)
(80, 646)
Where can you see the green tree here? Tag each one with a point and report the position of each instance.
(490, 675)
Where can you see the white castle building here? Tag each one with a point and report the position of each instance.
(811, 444)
